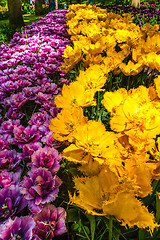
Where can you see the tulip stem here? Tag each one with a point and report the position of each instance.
(110, 227)
(97, 111)
(150, 78)
(141, 234)
(128, 83)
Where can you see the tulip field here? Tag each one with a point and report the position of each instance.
(80, 126)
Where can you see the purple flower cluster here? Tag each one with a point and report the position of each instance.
(44, 225)
(146, 13)
(30, 78)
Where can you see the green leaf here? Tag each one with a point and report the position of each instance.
(72, 215)
(86, 231)
(157, 208)
(72, 71)
(92, 221)
(141, 234)
(77, 226)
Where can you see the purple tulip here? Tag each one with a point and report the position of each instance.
(46, 157)
(51, 88)
(3, 78)
(31, 92)
(9, 178)
(40, 188)
(50, 222)
(22, 83)
(10, 86)
(9, 159)
(19, 228)
(63, 81)
(3, 143)
(29, 149)
(11, 202)
(41, 97)
(2, 96)
(24, 135)
(14, 114)
(15, 101)
(40, 118)
(50, 141)
(8, 126)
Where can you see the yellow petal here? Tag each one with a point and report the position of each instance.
(129, 210)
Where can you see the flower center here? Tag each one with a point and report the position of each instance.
(53, 222)
(15, 237)
(5, 210)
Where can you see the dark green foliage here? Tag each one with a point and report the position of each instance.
(4, 15)
(28, 10)
(3, 3)
(6, 33)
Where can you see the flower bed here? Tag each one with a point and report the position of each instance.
(110, 115)
(30, 78)
(106, 120)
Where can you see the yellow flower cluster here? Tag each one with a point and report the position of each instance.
(118, 165)
(3, 8)
(108, 38)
